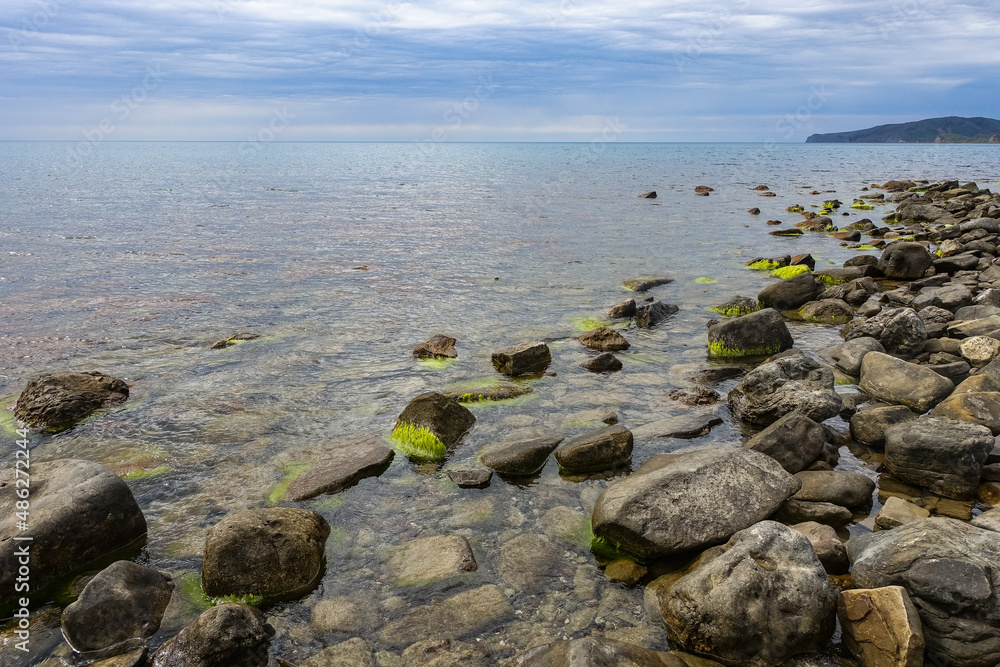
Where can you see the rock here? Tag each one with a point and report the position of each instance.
(470, 478)
(753, 211)
(787, 232)
(689, 425)
(767, 584)
(341, 465)
(491, 392)
(80, 511)
(355, 652)
(277, 551)
(758, 334)
(524, 359)
(694, 396)
(803, 260)
(829, 549)
(645, 283)
(899, 330)
(948, 568)
(976, 407)
(235, 339)
(980, 350)
(223, 636)
(451, 618)
(596, 652)
(898, 512)
(826, 311)
(603, 449)
(529, 562)
(603, 363)
(840, 487)
(736, 306)
(648, 195)
(789, 294)
(703, 189)
(428, 560)
(136, 658)
(881, 627)
(446, 653)
(439, 345)
(651, 314)
(519, 457)
(624, 309)
(430, 424)
(793, 383)
(896, 381)
(919, 213)
(979, 311)
(868, 424)
(605, 339)
(118, 610)
(847, 356)
(976, 383)
(625, 571)
(690, 500)
(345, 615)
(988, 520)
(57, 400)
(970, 328)
(949, 297)
(794, 512)
(794, 441)
(944, 455)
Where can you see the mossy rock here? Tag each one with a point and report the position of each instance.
(418, 442)
(861, 206)
(790, 271)
(496, 392)
(741, 305)
(764, 265)
(291, 472)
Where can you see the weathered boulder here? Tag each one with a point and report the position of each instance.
(740, 305)
(223, 636)
(430, 424)
(979, 350)
(277, 551)
(605, 362)
(761, 333)
(427, 560)
(984, 326)
(56, 400)
(605, 448)
(828, 547)
(651, 314)
(945, 455)
(788, 294)
(868, 424)
(847, 356)
(794, 441)
(624, 309)
(519, 457)
(949, 570)
(881, 627)
(354, 652)
(690, 500)
(596, 652)
(341, 465)
(438, 345)
(80, 511)
(759, 600)
(450, 618)
(899, 330)
(604, 339)
(524, 359)
(898, 512)
(905, 261)
(896, 381)
(790, 383)
(982, 407)
(840, 487)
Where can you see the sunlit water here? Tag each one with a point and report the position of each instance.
(137, 257)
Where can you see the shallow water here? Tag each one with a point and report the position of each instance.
(344, 256)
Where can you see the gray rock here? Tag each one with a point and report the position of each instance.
(451, 618)
(688, 425)
(828, 547)
(690, 500)
(57, 400)
(978, 311)
(840, 487)
(441, 415)
(985, 326)
(759, 334)
(896, 381)
(603, 363)
(794, 441)
(346, 615)
(447, 653)
(524, 359)
(794, 512)
(934, 315)
(847, 356)
(981, 407)
(789, 294)
(645, 283)
(470, 478)
(341, 465)
(792, 383)
(899, 330)
(945, 455)
(950, 297)
(355, 652)
(519, 457)
(904, 261)
(595, 652)
(650, 314)
(223, 636)
(989, 520)
(604, 339)
(603, 449)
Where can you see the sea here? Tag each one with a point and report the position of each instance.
(133, 259)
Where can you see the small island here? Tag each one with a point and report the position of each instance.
(948, 130)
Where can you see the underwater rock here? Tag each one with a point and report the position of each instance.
(470, 478)
(354, 652)
(529, 562)
(603, 449)
(57, 400)
(223, 636)
(598, 652)
(447, 653)
(427, 560)
(340, 466)
(524, 359)
(451, 618)
(492, 392)
(438, 345)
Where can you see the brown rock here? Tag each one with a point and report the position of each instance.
(624, 309)
(341, 466)
(603, 363)
(604, 339)
(524, 359)
(56, 400)
(649, 195)
(881, 627)
(439, 345)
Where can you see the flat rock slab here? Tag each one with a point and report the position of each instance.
(897, 512)
(428, 560)
(893, 380)
(881, 627)
(603, 449)
(840, 487)
(682, 426)
(646, 283)
(519, 457)
(981, 407)
(530, 563)
(451, 618)
(355, 652)
(57, 400)
(490, 392)
(340, 466)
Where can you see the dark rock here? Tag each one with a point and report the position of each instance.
(905, 261)
(787, 232)
(868, 424)
(694, 396)
(603, 363)
(650, 314)
(803, 511)
(519, 457)
(341, 466)
(223, 636)
(525, 359)
(761, 333)
(645, 283)
(754, 211)
(955, 263)
(718, 374)
(649, 195)
(440, 415)
(828, 547)
(604, 339)
(623, 310)
(789, 294)
(840, 487)
(794, 441)
(703, 189)
(491, 392)
(803, 260)
(235, 339)
(900, 330)
(826, 311)
(945, 455)
(595, 652)
(57, 400)
(689, 425)
(736, 306)
(847, 356)
(439, 345)
(603, 449)
(794, 383)
(470, 478)
(896, 381)
(976, 407)
(136, 658)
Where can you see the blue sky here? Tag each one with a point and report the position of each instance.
(490, 70)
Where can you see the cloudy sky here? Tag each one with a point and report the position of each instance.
(489, 70)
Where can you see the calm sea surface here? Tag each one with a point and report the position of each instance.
(134, 258)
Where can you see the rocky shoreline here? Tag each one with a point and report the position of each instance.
(739, 549)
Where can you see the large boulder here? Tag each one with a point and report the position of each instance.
(949, 569)
(759, 600)
(978, 407)
(690, 500)
(896, 381)
(277, 551)
(868, 424)
(794, 441)
(759, 334)
(899, 330)
(788, 294)
(881, 626)
(524, 359)
(341, 465)
(56, 400)
(603, 449)
(596, 652)
(431, 424)
(519, 457)
(847, 356)
(839, 487)
(945, 455)
(223, 636)
(905, 261)
(79, 511)
(790, 383)
(949, 297)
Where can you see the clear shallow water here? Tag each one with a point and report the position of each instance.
(135, 259)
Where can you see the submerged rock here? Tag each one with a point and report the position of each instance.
(790, 383)
(603, 363)
(355, 652)
(490, 392)
(428, 560)
(235, 339)
(596, 652)
(451, 618)
(524, 359)
(603, 449)
(651, 314)
(758, 334)
(519, 457)
(57, 400)
(438, 345)
(470, 478)
(223, 636)
(340, 466)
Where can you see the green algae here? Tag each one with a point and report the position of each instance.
(193, 590)
(418, 442)
(863, 207)
(865, 246)
(705, 281)
(795, 209)
(720, 350)
(291, 471)
(8, 422)
(733, 312)
(764, 265)
(829, 280)
(136, 475)
(436, 363)
(790, 271)
(585, 324)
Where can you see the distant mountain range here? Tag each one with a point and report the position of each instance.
(949, 130)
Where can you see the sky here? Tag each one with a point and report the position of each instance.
(488, 70)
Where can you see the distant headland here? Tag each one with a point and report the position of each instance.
(948, 130)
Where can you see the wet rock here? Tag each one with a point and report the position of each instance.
(690, 425)
(235, 339)
(355, 652)
(828, 547)
(840, 487)
(452, 618)
(57, 400)
(438, 345)
(899, 330)
(905, 261)
(847, 356)
(794, 512)
(519, 457)
(791, 383)
(789, 294)
(944, 455)
(736, 306)
(794, 441)
(341, 466)
(898, 512)
(136, 658)
(223, 636)
(881, 627)
(596, 652)
(470, 478)
(787, 232)
(753, 211)
(826, 311)
(690, 500)
(276, 551)
(524, 359)
(767, 584)
(603, 363)
(604, 339)
(976, 407)
(428, 560)
(80, 511)
(529, 562)
(758, 334)
(345, 615)
(703, 189)
(648, 195)
(447, 653)
(980, 350)
(645, 283)
(896, 381)
(694, 396)
(949, 297)
(623, 310)
(651, 314)
(603, 449)
(625, 571)
(948, 568)
(443, 417)
(490, 392)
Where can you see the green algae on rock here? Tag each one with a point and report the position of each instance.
(494, 393)
(790, 271)
(761, 333)
(418, 442)
(764, 265)
(740, 305)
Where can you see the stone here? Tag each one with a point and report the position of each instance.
(703, 189)
(446, 653)
(893, 380)
(519, 457)
(235, 339)
(881, 627)
(976, 407)
(690, 500)
(645, 283)
(57, 400)
(759, 600)
(979, 311)
(276, 551)
(648, 195)
(898, 512)
(840, 487)
(759, 334)
(529, 562)
(444, 417)
(603, 449)
(794, 441)
(625, 571)
(596, 652)
(945, 455)
(794, 512)
(651, 314)
(753, 211)
(345, 615)
(828, 547)
(868, 424)
(791, 383)
(428, 560)
(470, 478)
(970, 328)
(80, 511)
(223, 636)
(904, 261)
(524, 359)
(935, 315)
(789, 294)
(451, 618)
(948, 568)
(354, 652)
(899, 330)
(685, 426)
(623, 310)
(979, 350)
(847, 356)
(341, 465)
(988, 520)
(438, 345)
(603, 363)
(694, 396)
(136, 658)
(604, 339)
(739, 305)
(949, 297)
